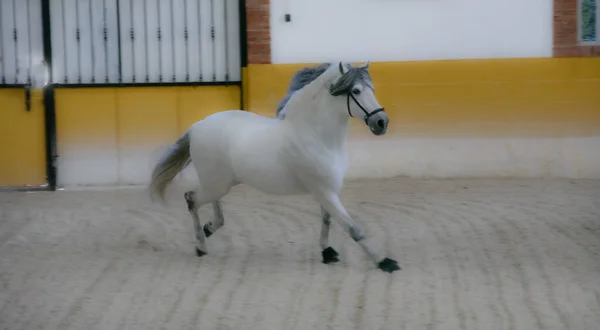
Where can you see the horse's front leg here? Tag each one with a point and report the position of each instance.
(332, 205)
(329, 254)
(218, 219)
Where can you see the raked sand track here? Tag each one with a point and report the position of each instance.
(476, 254)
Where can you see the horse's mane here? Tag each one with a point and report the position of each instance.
(300, 79)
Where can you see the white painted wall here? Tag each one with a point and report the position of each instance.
(380, 157)
(394, 30)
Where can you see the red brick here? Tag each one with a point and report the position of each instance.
(258, 31)
(573, 51)
(587, 51)
(565, 40)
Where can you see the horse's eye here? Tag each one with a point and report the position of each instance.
(356, 91)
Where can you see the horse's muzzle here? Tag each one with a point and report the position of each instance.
(378, 123)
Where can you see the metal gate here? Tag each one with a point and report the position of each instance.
(26, 125)
(49, 44)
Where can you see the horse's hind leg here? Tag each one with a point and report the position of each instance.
(193, 204)
(329, 254)
(218, 221)
(202, 196)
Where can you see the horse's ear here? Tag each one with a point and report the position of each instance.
(366, 65)
(343, 68)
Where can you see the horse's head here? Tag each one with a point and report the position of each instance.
(356, 87)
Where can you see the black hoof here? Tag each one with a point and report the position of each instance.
(388, 265)
(207, 231)
(330, 255)
(189, 199)
(200, 253)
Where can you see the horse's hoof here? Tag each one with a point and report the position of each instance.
(189, 199)
(388, 265)
(199, 252)
(330, 255)
(189, 195)
(207, 231)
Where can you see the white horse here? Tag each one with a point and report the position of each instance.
(303, 151)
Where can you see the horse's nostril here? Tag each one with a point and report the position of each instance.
(381, 123)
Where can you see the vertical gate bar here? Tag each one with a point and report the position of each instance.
(199, 40)
(159, 36)
(173, 54)
(226, 41)
(105, 38)
(30, 64)
(16, 41)
(49, 110)
(64, 33)
(92, 43)
(78, 37)
(243, 48)
(146, 33)
(212, 38)
(185, 38)
(132, 39)
(119, 40)
(2, 45)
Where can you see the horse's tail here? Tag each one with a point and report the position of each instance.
(173, 161)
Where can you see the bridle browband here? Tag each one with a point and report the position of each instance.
(367, 114)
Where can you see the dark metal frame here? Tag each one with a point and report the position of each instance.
(159, 84)
(49, 91)
(49, 104)
(243, 47)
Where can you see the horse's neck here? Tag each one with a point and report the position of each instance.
(311, 112)
(319, 120)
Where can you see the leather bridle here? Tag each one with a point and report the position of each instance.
(367, 114)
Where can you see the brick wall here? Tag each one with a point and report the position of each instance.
(565, 26)
(258, 31)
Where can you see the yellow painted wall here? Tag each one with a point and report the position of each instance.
(111, 135)
(467, 98)
(22, 139)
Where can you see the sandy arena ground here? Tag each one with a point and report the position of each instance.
(476, 254)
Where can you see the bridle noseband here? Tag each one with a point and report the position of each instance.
(367, 114)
